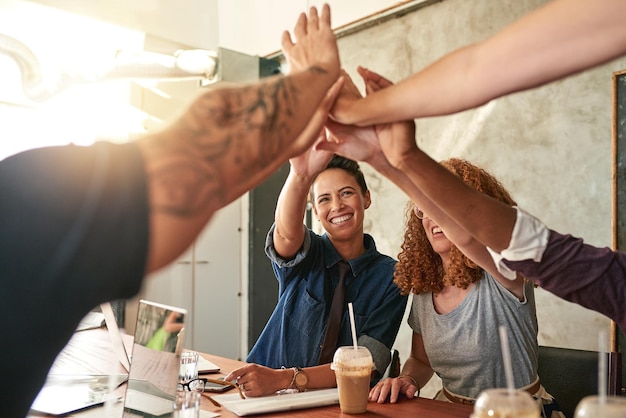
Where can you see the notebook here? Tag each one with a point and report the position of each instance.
(62, 394)
(278, 402)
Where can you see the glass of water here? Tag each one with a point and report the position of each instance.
(188, 369)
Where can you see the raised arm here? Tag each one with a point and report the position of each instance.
(559, 39)
(372, 144)
(230, 140)
(291, 206)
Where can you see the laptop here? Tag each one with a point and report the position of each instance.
(62, 394)
(153, 374)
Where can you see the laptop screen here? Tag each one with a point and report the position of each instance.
(153, 374)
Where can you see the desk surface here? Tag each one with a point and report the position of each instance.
(90, 352)
(418, 407)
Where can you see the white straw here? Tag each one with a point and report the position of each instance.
(506, 356)
(352, 326)
(602, 365)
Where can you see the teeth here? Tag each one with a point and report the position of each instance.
(436, 230)
(340, 219)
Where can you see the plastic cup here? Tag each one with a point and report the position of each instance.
(594, 407)
(186, 405)
(188, 366)
(353, 371)
(504, 403)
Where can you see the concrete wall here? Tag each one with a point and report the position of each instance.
(551, 147)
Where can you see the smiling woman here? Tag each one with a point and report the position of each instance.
(311, 270)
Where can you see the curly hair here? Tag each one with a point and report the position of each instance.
(419, 268)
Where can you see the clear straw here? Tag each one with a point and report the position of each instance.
(602, 366)
(352, 326)
(506, 356)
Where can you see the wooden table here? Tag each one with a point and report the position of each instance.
(90, 352)
(418, 407)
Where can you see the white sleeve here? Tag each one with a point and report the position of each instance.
(528, 241)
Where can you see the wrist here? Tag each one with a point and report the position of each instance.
(412, 380)
(288, 379)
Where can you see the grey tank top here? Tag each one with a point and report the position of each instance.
(463, 346)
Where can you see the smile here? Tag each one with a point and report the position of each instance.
(340, 219)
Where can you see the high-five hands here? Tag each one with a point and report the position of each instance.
(368, 143)
(315, 46)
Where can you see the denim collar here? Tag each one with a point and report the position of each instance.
(357, 265)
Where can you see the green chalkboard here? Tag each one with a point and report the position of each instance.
(619, 140)
(619, 187)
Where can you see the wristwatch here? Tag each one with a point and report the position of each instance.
(300, 379)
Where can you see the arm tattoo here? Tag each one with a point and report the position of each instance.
(239, 130)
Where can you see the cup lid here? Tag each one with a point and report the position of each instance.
(350, 357)
(503, 402)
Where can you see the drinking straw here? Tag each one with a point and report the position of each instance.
(352, 326)
(506, 356)
(602, 366)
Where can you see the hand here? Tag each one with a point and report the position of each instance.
(391, 388)
(396, 139)
(366, 143)
(315, 46)
(315, 126)
(356, 143)
(313, 160)
(256, 380)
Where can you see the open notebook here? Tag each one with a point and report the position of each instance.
(278, 402)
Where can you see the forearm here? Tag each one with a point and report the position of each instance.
(420, 372)
(455, 232)
(289, 216)
(321, 377)
(487, 220)
(559, 39)
(226, 143)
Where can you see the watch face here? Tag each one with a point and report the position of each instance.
(301, 379)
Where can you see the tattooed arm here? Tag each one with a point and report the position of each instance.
(230, 140)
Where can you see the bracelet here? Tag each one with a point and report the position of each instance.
(412, 379)
(293, 379)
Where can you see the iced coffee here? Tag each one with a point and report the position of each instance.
(353, 369)
(604, 407)
(504, 403)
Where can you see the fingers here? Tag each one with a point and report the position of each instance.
(233, 375)
(350, 87)
(300, 30)
(313, 21)
(387, 389)
(312, 131)
(380, 392)
(333, 92)
(373, 81)
(325, 17)
(286, 42)
(312, 44)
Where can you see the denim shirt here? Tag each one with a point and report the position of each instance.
(295, 331)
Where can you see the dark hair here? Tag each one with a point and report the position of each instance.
(352, 167)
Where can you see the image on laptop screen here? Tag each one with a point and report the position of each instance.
(153, 374)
